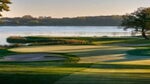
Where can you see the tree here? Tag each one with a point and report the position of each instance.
(4, 5)
(139, 20)
(27, 17)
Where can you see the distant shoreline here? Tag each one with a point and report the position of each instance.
(29, 20)
(61, 25)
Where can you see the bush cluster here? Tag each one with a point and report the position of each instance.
(46, 41)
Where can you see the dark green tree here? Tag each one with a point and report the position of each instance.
(4, 5)
(139, 20)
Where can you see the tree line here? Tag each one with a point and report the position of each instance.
(29, 20)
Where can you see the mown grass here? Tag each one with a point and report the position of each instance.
(51, 72)
(59, 72)
(108, 73)
(36, 72)
(140, 51)
(70, 58)
(128, 41)
(6, 52)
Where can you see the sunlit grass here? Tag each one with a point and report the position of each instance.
(97, 64)
(109, 73)
(107, 42)
(36, 72)
(136, 62)
(60, 48)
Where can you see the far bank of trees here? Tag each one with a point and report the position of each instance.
(29, 20)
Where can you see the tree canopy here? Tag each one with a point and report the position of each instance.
(4, 5)
(139, 20)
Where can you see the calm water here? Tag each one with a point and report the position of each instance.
(6, 31)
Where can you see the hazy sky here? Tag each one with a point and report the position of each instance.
(72, 8)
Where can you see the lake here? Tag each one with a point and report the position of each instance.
(82, 31)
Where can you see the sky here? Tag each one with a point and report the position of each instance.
(73, 8)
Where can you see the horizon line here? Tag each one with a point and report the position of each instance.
(65, 16)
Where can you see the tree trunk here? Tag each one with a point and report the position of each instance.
(144, 34)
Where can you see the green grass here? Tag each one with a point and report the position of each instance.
(108, 73)
(131, 41)
(36, 72)
(140, 51)
(39, 40)
(71, 72)
(33, 40)
(51, 72)
(6, 52)
(70, 58)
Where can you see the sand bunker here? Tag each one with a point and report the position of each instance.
(33, 57)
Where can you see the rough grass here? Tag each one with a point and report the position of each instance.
(33, 40)
(39, 40)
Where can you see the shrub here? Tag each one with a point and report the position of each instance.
(46, 40)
